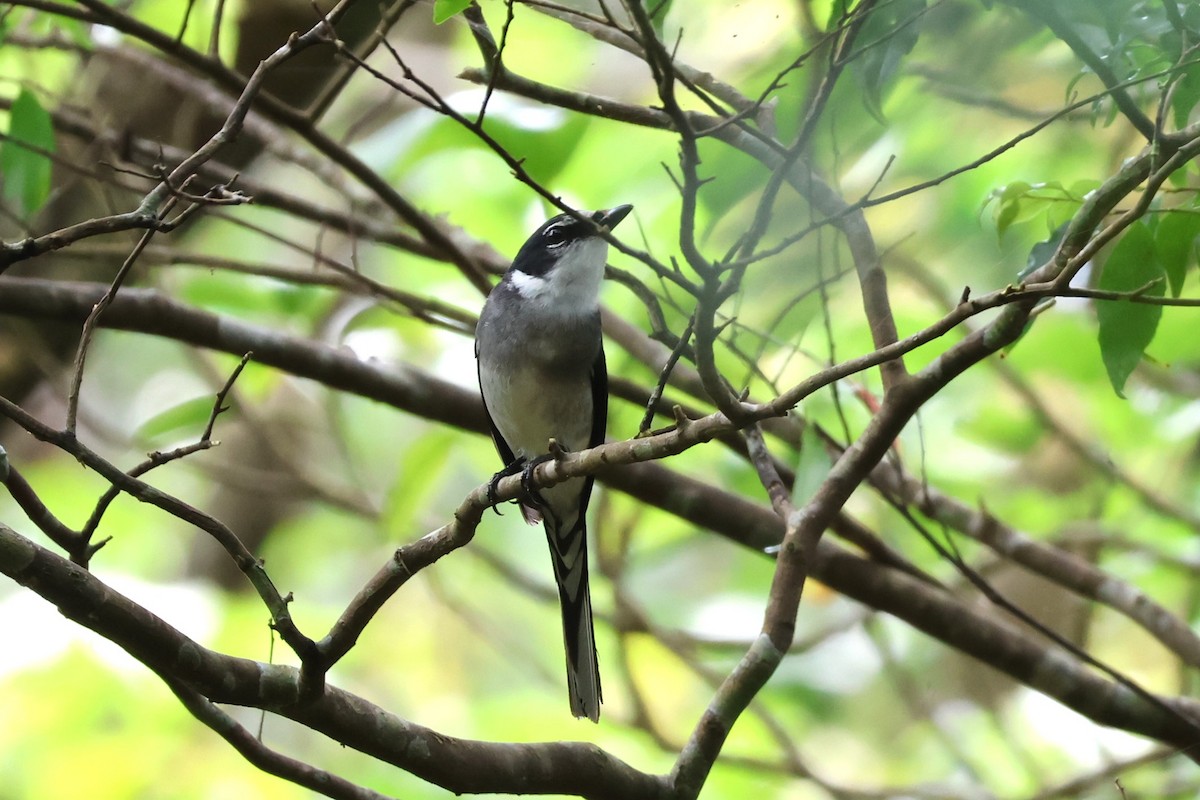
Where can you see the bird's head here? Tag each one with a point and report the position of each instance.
(562, 264)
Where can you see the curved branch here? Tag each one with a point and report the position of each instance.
(149, 311)
(763, 657)
(1049, 16)
(236, 85)
(250, 566)
(926, 607)
(261, 756)
(460, 765)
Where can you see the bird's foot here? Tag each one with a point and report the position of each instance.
(516, 466)
(531, 493)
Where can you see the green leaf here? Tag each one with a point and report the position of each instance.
(888, 35)
(811, 468)
(189, 417)
(1127, 328)
(77, 31)
(1175, 242)
(545, 139)
(658, 14)
(1009, 205)
(1043, 251)
(1068, 204)
(1022, 202)
(445, 9)
(25, 174)
(422, 463)
(1186, 95)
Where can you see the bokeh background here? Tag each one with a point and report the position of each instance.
(325, 484)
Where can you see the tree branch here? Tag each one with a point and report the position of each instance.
(459, 765)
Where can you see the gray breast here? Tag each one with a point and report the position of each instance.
(565, 342)
(535, 373)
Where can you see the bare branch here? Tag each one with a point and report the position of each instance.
(245, 560)
(82, 553)
(460, 765)
(261, 756)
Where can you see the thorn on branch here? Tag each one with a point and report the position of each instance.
(682, 420)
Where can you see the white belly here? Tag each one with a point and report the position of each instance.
(529, 409)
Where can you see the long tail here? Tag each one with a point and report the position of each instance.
(569, 553)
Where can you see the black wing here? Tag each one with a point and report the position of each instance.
(599, 419)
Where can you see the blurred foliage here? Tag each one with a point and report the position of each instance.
(472, 648)
(25, 154)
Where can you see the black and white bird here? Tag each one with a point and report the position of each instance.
(541, 367)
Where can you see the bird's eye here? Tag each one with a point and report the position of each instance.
(555, 236)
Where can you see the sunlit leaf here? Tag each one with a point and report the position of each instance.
(78, 31)
(1020, 201)
(1126, 327)
(422, 463)
(1009, 204)
(543, 139)
(445, 9)
(658, 14)
(25, 172)
(186, 419)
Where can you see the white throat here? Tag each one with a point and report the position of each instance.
(573, 284)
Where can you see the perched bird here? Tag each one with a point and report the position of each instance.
(540, 357)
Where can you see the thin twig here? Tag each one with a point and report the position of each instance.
(263, 757)
(497, 66)
(82, 555)
(89, 325)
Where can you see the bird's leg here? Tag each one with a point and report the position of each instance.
(557, 451)
(516, 466)
(533, 495)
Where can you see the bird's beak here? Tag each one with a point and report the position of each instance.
(609, 219)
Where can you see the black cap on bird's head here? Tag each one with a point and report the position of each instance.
(542, 250)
